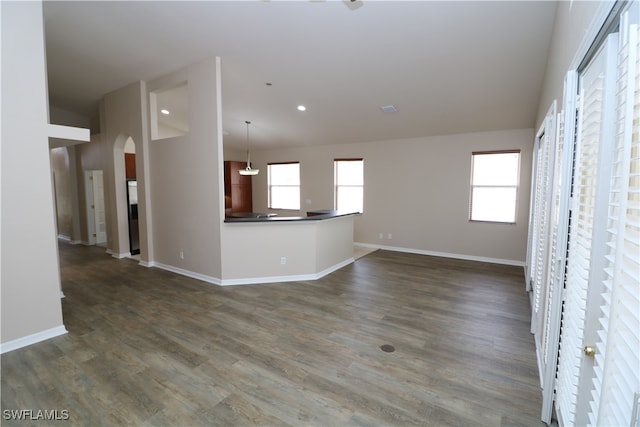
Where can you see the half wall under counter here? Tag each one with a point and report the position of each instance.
(284, 249)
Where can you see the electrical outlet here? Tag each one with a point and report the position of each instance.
(181, 255)
(283, 260)
(389, 236)
(380, 236)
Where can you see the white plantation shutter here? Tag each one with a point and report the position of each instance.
(579, 254)
(593, 98)
(617, 363)
(558, 248)
(535, 217)
(534, 222)
(556, 270)
(594, 239)
(548, 316)
(545, 160)
(545, 261)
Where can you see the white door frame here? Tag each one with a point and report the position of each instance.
(89, 207)
(90, 201)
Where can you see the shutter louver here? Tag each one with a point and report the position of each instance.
(554, 256)
(579, 253)
(617, 364)
(542, 200)
(601, 301)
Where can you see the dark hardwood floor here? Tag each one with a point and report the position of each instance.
(150, 348)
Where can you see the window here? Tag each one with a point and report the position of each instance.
(349, 184)
(284, 185)
(494, 185)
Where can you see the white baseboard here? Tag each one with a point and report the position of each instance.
(334, 267)
(444, 254)
(32, 339)
(290, 278)
(68, 239)
(121, 255)
(188, 273)
(250, 280)
(367, 245)
(147, 264)
(267, 279)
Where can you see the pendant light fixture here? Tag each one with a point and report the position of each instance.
(248, 170)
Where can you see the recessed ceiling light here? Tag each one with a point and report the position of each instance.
(389, 108)
(302, 108)
(165, 111)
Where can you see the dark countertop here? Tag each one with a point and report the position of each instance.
(246, 217)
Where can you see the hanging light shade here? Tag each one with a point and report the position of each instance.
(248, 170)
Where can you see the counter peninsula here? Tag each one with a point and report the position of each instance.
(258, 248)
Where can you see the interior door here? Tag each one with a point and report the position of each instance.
(95, 208)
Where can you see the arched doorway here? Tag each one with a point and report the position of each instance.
(127, 240)
(132, 196)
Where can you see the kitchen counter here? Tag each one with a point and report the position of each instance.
(257, 248)
(244, 217)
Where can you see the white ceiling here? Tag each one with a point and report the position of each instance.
(448, 66)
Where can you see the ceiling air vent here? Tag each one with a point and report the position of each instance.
(389, 108)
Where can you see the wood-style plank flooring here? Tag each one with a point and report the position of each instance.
(151, 348)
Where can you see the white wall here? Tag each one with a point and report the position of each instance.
(417, 190)
(253, 252)
(60, 116)
(66, 164)
(573, 19)
(334, 242)
(31, 308)
(88, 157)
(179, 179)
(234, 154)
(123, 115)
(186, 178)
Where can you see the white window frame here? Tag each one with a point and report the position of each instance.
(515, 186)
(337, 185)
(270, 202)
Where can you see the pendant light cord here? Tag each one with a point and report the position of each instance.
(248, 151)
